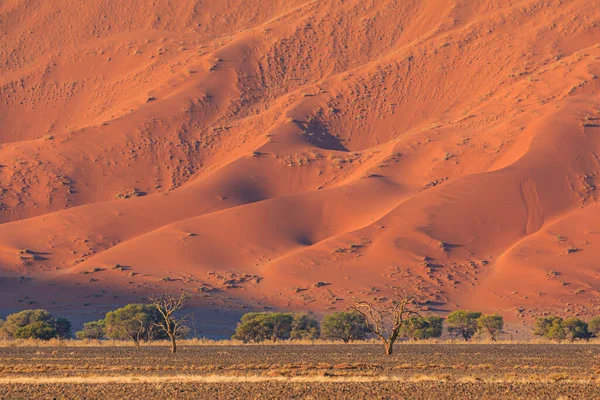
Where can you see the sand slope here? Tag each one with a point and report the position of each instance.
(246, 151)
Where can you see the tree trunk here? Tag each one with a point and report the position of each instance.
(173, 344)
(389, 348)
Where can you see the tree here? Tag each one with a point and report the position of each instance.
(279, 325)
(543, 324)
(346, 326)
(250, 328)
(258, 327)
(594, 326)
(92, 330)
(134, 321)
(463, 322)
(36, 324)
(385, 319)
(167, 305)
(63, 328)
(420, 328)
(576, 328)
(305, 327)
(556, 330)
(491, 324)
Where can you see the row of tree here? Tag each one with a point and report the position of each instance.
(387, 320)
(136, 322)
(556, 328)
(351, 325)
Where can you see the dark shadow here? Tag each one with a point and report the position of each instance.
(317, 133)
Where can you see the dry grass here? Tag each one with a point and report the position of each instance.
(208, 342)
(134, 379)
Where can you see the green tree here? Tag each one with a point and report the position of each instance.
(92, 330)
(63, 328)
(492, 324)
(575, 329)
(305, 327)
(136, 322)
(346, 326)
(36, 324)
(543, 324)
(258, 327)
(463, 322)
(250, 328)
(556, 330)
(594, 326)
(37, 330)
(421, 328)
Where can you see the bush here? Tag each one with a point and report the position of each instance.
(576, 329)
(35, 324)
(346, 326)
(305, 327)
(491, 324)
(258, 327)
(463, 322)
(420, 328)
(92, 330)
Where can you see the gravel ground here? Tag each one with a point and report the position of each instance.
(303, 371)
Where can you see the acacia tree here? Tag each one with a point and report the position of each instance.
(133, 321)
(167, 305)
(347, 326)
(491, 324)
(385, 319)
(464, 322)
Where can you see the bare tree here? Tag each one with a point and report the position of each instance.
(167, 305)
(385, 319)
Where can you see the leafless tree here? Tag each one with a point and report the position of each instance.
(385, 319)
(167, 306)
(136, 334)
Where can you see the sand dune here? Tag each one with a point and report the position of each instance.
(246, 151)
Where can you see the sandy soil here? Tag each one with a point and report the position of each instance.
(246, 150)
(303, 371)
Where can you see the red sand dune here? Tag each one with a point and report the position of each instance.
(246, 150)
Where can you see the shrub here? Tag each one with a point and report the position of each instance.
(258, 327)
(491, 324)
(92, 330)
(463, 322)
(346, 326)
(305, 327)
(35, 324)
(420, 328)
(594, 326)
(576, 329)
